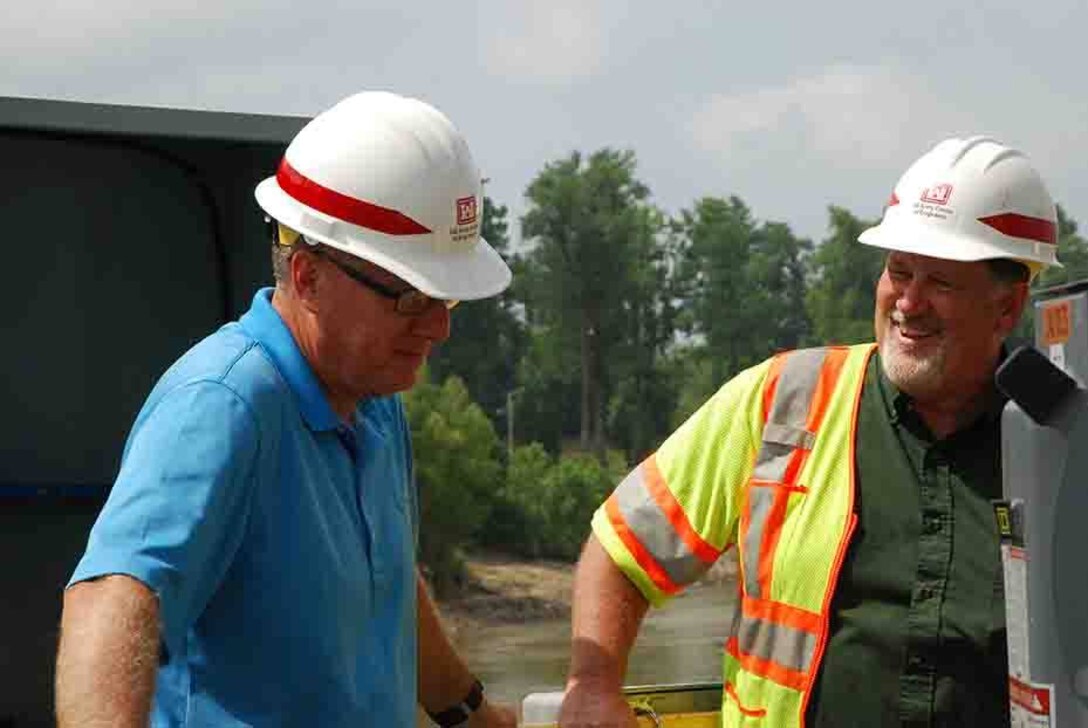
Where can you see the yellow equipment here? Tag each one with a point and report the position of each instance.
(688, 705)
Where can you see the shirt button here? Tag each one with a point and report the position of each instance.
(915, 662)
(931, 523)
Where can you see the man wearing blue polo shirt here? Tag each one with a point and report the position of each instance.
(255, 562)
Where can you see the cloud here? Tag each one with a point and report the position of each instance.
(543, 41)
(845, 133)
(237, 55)
(60, 33)
(864, 114)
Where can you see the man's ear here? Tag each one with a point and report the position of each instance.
(1011, 304)
(305, 277)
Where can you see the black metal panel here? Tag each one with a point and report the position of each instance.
(127, 235)
(112, 272)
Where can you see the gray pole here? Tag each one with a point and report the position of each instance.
(510, 394)
(509, 426)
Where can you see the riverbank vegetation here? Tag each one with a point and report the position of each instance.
(621, 320)
(504, 590)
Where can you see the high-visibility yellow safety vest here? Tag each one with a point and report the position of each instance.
(767, 465)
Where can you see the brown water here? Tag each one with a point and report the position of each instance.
(681, 642)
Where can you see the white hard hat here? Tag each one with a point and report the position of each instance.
(389, 179)
(971, 199)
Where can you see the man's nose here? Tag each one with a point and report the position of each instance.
(911, 298)
(434, 323)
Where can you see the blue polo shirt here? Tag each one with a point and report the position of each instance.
(280, 540)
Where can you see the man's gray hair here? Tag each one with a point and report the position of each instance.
(281, 260)
(281, 254)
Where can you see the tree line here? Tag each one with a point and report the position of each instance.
(620, 322)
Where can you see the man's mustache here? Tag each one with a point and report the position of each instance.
(924, 324)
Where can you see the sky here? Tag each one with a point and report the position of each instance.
(789, 106)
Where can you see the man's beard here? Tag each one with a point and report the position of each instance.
(919, 375)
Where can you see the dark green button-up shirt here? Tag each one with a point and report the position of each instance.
(918, 620)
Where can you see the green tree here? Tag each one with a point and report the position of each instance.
(642, 395)
(458, 471)
(546, 504)
(690, 370)
(776, 274)
(592, 232)
(519, 521)
(548, 385)
(742, 287)
(843, 275)
(487, 339)
(718, 306)
(577, 485)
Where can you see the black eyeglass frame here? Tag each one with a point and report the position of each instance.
(410, 302)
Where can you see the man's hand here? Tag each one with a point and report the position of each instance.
(586, 705)
(443, 676)
(607, 612)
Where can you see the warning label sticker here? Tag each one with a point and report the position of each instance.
(1057, 322)
(1014, 560)
(1031, 705)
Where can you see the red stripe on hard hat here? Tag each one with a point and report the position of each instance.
(1022, 226)
(358, 212)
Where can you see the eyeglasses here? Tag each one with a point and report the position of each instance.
(409, 302)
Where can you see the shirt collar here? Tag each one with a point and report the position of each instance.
(264, 324)
(899, 404)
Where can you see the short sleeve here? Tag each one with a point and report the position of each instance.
(674, 514)
(178, 509)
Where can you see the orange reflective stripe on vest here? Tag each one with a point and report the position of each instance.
(661, 539)
(776, 640)
(798, 388)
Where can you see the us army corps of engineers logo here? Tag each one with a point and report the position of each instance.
(933, 202)
(468, 226)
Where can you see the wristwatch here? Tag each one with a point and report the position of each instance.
(459, 714)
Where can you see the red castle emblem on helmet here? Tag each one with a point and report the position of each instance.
(466, 210)
(937, 194)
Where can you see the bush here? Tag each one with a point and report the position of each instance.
(458, 471)
(545, 506)
(578, 484)
(519, 522)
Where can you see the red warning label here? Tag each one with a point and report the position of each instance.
(1057, 323)
(1034, 699)
(1031, 704)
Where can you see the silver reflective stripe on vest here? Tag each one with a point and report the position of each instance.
(759, 504)
(791, 648)
(772, 460)
(654, 531)
(783, 433)
(788, 435)
(796, 385)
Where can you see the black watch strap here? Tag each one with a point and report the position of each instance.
(458, 714)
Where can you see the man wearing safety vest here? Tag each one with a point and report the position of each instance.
(255, 562)
(855, 483)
